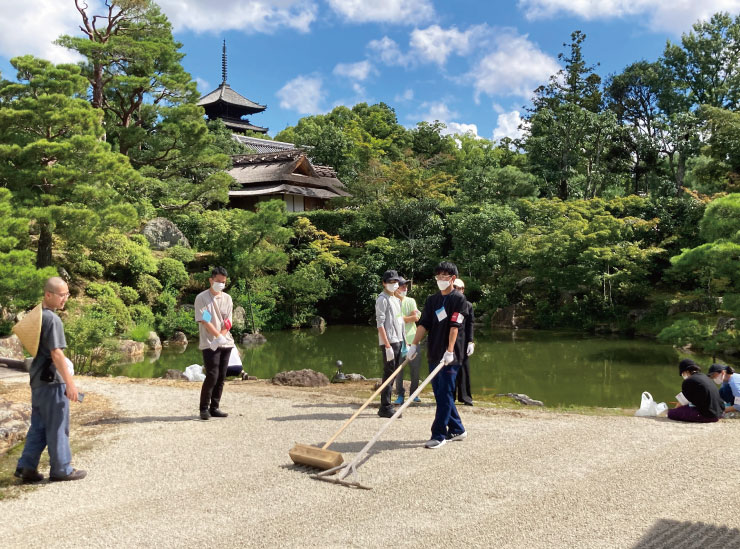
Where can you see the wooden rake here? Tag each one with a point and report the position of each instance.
(339, 473)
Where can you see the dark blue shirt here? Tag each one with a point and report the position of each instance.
(43, 371)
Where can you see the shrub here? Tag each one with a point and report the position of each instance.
(128, 295)
(149, 288)
(88, 330)
(181, 253)
(169, 319)
(141, 314)
(172, 273)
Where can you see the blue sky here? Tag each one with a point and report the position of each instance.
(469, 63)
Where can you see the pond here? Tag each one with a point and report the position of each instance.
(556, 368)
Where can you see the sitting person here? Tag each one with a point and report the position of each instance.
(705, 404)
(729, 383)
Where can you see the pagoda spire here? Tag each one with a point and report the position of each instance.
(223, 64)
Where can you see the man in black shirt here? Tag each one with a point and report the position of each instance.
(463, 376)
(444, 319)
(705, 404)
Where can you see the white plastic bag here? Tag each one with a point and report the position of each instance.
(650, 408)
(194, 372)
(234, 358)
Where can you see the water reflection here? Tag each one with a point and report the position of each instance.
(557, 368)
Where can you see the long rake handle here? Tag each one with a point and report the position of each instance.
(351, 466)
(367, 402)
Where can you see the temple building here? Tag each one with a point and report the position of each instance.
(275, 169)
(230, 106)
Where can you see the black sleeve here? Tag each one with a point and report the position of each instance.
(457, 310)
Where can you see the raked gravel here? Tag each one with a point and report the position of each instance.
(158, 477)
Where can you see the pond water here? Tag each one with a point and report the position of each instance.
(556, 368)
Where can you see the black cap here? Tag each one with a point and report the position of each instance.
(714, 368)
(686, 364)
(388, 276)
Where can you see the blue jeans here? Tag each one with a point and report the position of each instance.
(725, 391)
(447, 420)
(49, 427)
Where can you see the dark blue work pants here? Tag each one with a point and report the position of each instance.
(447, 420)
(49, 428)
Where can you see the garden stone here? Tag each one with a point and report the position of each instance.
(355, 377)
(522, 398)
(724, 323)
(163, 234)
(179, 339)
(15, 418)
(301, 378)
(253, 339)
(11, 351)
(130, 350)
(175, 374)
(153, 341)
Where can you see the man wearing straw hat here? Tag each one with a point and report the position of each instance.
(52, 389)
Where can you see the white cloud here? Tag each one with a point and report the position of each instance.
(438, 110)
(516, 66)
(248, 16)
(387, 50)
(434, 44)
(356, 71)
(31, 26)
(404, 97)
(204, 86)
(303, 94)
(507, 125)
(404, 12)
(660, 15)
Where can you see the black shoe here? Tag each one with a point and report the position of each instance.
(28, 476)
(76, 474)
(204, 414)
(215, 412)
(466, 403)
(387, 412)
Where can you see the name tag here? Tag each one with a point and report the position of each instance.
(206, 316)
(682, 399)
(441, 314)
(737, 400)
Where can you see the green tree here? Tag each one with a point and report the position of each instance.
(51, 155)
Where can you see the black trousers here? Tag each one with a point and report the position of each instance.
(389, 366)
(215, 364)
(463, 382)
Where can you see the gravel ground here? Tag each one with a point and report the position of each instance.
(158, 477)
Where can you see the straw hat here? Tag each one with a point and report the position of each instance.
(28, 330)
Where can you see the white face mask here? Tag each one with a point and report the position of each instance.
(403, 293)
(392, 287)
(218, 286)
(685, 376)
(443, 284)
(718, 379)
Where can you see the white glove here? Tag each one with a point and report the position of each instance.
(449, 357)
(471, 348)
(70, 366)
(389, 354)
(411, 353)
(216, 343)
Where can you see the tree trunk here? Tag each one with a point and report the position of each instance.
(43, 254)
(680, 174)
(563, 189)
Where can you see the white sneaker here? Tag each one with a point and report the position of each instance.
(434, 443)
(458, 436)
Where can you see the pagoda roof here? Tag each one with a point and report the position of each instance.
(225, 94)
(262, 145)
(241, 125)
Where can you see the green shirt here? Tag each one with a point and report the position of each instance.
(408, 306)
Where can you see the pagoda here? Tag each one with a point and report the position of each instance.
(230, 106)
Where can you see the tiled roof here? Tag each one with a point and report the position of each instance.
(242, 125)
(227, 95)
(263, 145)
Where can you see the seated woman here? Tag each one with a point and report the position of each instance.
(705, 404)
(729, 383)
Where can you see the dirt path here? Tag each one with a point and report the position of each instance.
(160, 478)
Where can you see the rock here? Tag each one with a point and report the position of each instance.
(724, 323)
(636, 315)
(253, 339)
(239, 319)
(11, 351)
(174, 374)
(64, 274)
(524, 399)
(505, 318)
(355, 377)
(130, 350)
(179, 339)
(163, 233)
(318, 322)
(301, 378)
(15, 418)
(153, 341)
